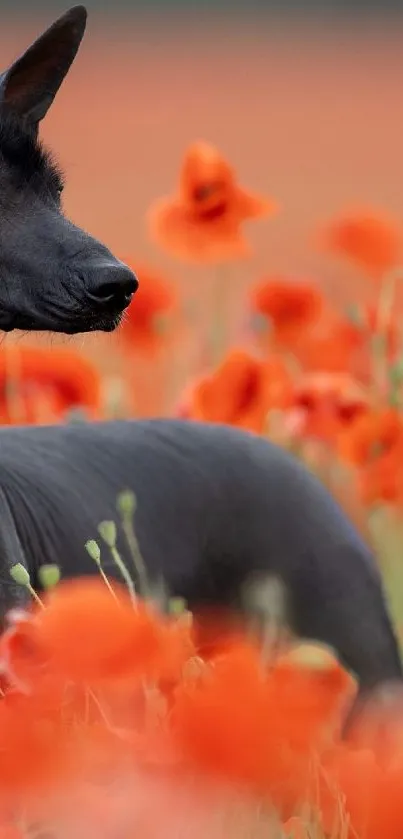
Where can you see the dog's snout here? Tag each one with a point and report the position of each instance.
(112, 286)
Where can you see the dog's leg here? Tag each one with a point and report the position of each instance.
(12, 594)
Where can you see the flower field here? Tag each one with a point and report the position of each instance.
(230, 742)
(109, 708)
(320, 378)
(116, 721)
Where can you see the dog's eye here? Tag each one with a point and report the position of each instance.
(56, 184)
(57, 192)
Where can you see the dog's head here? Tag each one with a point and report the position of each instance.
(53, 276)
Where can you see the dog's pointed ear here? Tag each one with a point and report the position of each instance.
(29, 86)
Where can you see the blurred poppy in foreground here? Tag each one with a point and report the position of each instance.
(148, 321)
(360, 797)
(236, 734)
(289, 307)
(40, 385)
(203, 221)
(261, 731)
(371, 240)
(240, 392)
(120, 640)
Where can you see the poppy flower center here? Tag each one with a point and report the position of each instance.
(248, 391)
(349, 411)
(210, 200)
(206, 191)
(307, 402)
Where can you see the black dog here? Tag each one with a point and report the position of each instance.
(215, 508)
(54, 277)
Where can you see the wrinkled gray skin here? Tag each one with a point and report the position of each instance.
(53, 275)
(215, 506)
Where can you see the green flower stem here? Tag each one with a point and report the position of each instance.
(95, 553)
(124, 572)
(219, 321)
(138, 562)
(379, 344)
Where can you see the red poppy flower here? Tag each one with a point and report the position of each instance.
(333, 348)
(148, 321)
(120, 640)
(347, 788)
(372, 435)
(381, 482)
(256, 729)
(290, 307)
(235, 731)
(30, 758)
(370, 239)
(240, 392)
(203, 222)
(39, 385)
(326, 403)
(361, 797)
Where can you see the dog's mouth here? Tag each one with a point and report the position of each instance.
(104, 324)
(64, 326)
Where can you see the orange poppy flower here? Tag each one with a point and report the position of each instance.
(203, 222)
(120, 640)
(372, 435)
(388, 814)
(146, 324)
(237, 723)
(240, 392)
(29, 756)
(379, 725)
(325, 403)
(232, 722)
(370, 239)
(45, 383)
(290, 307)
(218, 718)
(371, 795)
(347, 791)
(382, 480)
(334, 348)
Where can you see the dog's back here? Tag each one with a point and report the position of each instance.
(215, 507)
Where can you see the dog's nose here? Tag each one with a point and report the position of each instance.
(112, 286)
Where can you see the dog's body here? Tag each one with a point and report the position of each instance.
(214, 507)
